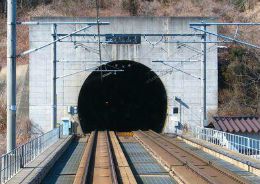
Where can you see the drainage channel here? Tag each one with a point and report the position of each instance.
(145, 168)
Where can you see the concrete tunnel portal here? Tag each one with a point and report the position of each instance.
(123, 101)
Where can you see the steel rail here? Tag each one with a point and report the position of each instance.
(193, 167)
(112, 164)
(220, 169)
(121, 163)
(204, 177)
(81, 175)
(102, 148)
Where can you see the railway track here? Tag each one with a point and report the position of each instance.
(103, 161)
(147, 157)
(188, 167)
(103, 167)
(147, 170)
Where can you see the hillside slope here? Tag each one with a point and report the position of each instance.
(232, 100)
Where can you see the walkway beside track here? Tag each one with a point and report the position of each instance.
(65, 169)
(36, 170)
(146, 169)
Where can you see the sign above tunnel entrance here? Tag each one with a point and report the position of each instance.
(123, 38)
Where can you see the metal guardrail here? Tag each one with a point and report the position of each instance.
(13, 161)
(237, 143)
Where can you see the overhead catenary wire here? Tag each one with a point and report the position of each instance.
(176, 68)
(180, 70)
(98, 32)
(50, 43)
(99, 52)
(96, 52)
(227, 38)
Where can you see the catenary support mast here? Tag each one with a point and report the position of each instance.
(11, 75)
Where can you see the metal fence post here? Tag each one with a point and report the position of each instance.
(59, 131)
(248, 146)
(241, 144)
(13, 161)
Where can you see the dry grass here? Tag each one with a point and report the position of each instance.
(23, 131)
(226, 11)
(239, 81)
(23, 127)
(2, 41)
(3, 116)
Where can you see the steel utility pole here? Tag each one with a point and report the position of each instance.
(204, 80)
(54, 77)
(11, 75)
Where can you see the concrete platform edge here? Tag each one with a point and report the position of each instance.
(40, 175)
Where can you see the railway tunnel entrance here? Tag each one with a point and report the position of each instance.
(123, 101)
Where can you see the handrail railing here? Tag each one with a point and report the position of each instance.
(13, 161)
(237, 143)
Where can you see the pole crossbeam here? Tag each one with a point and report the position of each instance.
(175, 61)
(50, 23)
(143, 35)
(50, 43)
(85, 41)
(91, 61)
(225, 24)
(184, 42)
(197, 42)
(227, 38)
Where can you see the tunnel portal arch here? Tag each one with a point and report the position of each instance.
(123, 101)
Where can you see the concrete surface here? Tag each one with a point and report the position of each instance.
(176, 83)
(35, 171)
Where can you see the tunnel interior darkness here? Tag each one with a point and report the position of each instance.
(123, 101)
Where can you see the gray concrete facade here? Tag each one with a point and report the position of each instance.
(75, 58)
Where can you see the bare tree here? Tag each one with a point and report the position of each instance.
(240, 91)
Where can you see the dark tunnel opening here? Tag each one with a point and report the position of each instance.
(123, 101)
